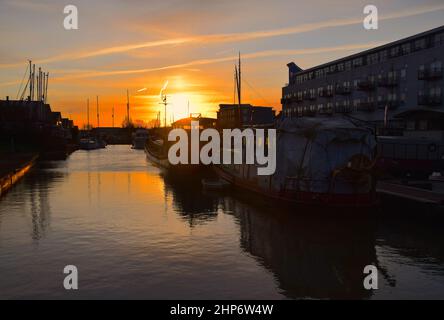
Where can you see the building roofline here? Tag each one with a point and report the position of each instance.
(230, 105)
(375, 49)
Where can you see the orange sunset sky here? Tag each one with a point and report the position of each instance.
(192, 44)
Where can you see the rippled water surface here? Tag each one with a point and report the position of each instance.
(135, 232)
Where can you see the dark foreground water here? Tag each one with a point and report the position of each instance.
(133, 232)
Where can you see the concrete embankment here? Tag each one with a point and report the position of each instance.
(13, 167)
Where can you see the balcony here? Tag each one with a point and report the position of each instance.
(388, 82)
(367, 106)
(343, 109)
(343, 90)
(326, 93)
(391, 104)
(309, 96)
(366, 85)
(430, 74)
(429, 100)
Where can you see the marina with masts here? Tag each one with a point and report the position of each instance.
(257, 201)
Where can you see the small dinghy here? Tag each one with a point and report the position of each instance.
(215, 184)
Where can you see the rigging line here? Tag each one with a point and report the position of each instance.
(21, 83)
(255, 91)
(24, 90)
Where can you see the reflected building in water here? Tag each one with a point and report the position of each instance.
(310, 256)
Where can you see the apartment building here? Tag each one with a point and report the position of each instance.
(374, 85)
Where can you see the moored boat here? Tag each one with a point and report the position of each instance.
(139, 139)
(89, 144)
(318, 162)
(157, 144)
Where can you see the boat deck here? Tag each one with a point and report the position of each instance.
(410, 193)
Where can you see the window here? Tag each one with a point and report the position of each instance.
(312, 108)
(436, 66)
(372, 58)
(348, 65)
(422, 125)
(391, 97)
(439, 39)
(312, 93)
(435, 92)
(383, 56)
(410, 125)
(420, 44)
(403, 73)
(394, 52)
(300, 110)
(341, 67)
(406, 48)
(403, 97)
(357, 62)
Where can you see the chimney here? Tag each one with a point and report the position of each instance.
(7, 98)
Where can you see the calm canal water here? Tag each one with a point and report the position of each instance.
(133, 232)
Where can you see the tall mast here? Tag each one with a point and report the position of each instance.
(39, 91)
(127, 107)
(238, 74)
(113, 116)
(37, 85)
(46, 86)
(30, 79)
(87, 114)
(239, 86)
(43, 86)
(98, 115)
(165, 105)
(33, 82)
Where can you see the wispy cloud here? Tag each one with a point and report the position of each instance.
(231, 37)
(254, 55)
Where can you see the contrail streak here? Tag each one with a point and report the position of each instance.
(233, 37)
(254, 55)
